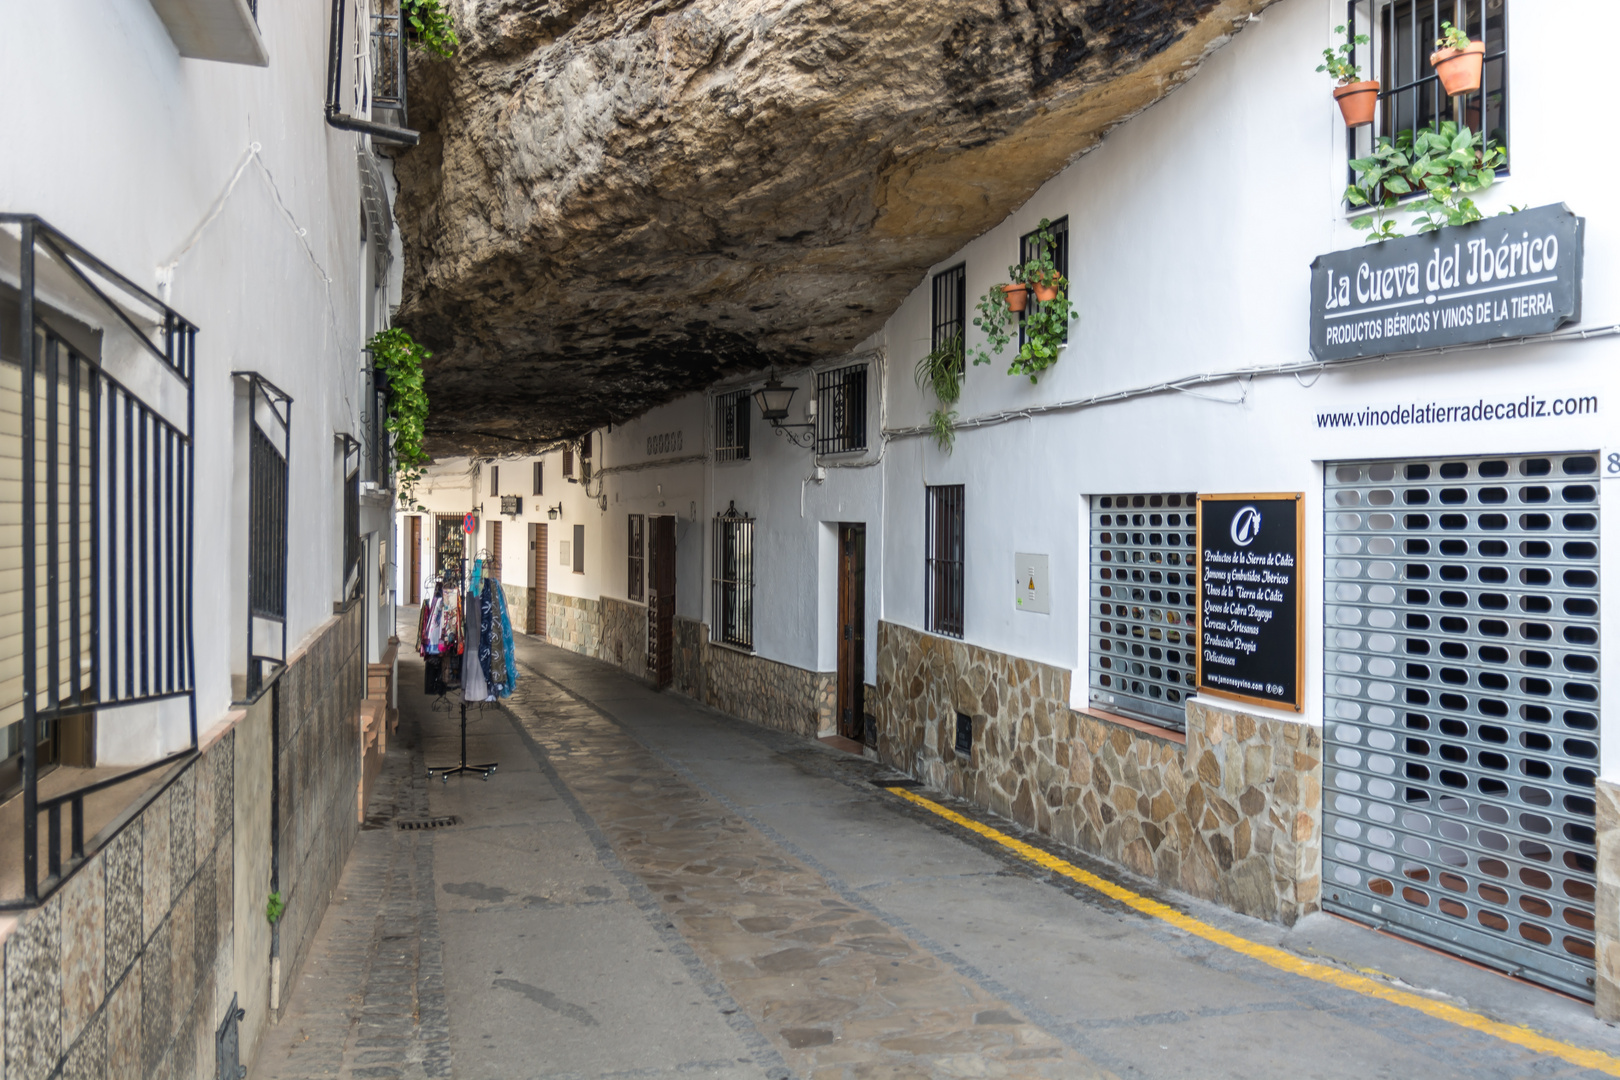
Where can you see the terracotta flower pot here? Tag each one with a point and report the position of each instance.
(1017, 296)
(1358, 101)
(1044, 292)
(1459, 69)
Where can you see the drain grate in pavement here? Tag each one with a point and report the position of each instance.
(895, 781)
(427, 823)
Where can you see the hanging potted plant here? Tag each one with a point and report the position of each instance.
(1357, 98)
(941, 372)
(1045, 325)
(1017, 295)
(1458, 61)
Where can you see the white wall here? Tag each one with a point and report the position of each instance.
(226, 178)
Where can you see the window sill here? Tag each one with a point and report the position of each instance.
(726, 645)
(1140, 726)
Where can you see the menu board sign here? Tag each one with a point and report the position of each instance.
(1250, 606)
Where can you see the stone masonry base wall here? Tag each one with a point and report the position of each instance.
(1232, 816)
(128, 969)
(517, 605)
(744, 685)
(624, 635)
(574, 623)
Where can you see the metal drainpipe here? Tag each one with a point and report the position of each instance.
(275, 842)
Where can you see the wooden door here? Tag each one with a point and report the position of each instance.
(413, 559)
(661, 600)
(492, 559)
(537, 580)
(852, 632)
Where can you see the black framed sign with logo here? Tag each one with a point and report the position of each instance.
(1250, 605)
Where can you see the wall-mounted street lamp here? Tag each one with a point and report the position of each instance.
(554, 512)
(773, 399)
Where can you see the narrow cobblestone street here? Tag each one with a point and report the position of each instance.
(646, 888)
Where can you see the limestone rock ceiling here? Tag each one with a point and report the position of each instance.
(615, 202)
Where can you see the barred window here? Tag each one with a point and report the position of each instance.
(733, 578)
(731, 426)
(638, 557)
(539, 478)
(1028, 249)
(945, 544)
(950, 305)
(841, 410)
(494, 481)
(1144, 605)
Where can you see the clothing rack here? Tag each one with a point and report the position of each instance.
(459, 582)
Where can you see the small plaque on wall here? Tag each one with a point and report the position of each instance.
(1251, 607)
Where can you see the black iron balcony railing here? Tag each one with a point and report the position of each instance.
(96, 408)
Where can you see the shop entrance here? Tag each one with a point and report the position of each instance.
(413, 560)
(1461, 698)
(661, 600)
(449, 545)
(852, 633)
(536, 621)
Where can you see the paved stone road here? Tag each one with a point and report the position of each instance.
(648, 889)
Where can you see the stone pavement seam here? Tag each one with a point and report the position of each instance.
(764, 1053)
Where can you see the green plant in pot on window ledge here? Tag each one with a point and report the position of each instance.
(1357, 98)
(1046, 322)
(1443, 164)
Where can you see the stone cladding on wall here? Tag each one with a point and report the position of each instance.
(128, 969)
(624, 635)
(690, 638)
(1606, 982)
(1233, 815)
(319, 698)
(574, 623)
(517, 605)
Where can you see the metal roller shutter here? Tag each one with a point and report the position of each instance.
(1461, 697)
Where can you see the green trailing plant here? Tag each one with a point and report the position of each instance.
(1336, 62)
(940, 372)
(1451, 38)
(1444, 164)
(1046, 323)
(431, 27)
(399, 358)
(274, 907)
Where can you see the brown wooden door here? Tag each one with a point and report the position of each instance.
(661, 600)
(492, 559)
(413, 559)
(537, 580)
(852, 632)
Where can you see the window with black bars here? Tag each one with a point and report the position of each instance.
(945, 545)
(1144, 605)
(353, 550)
(950, 306)
(1403, 34)
(267, 528)
(1028, 249)
(638, 557)
(733, 578)
(96, 529)
(731, 426)
(494, 481)
(841, 410)
(539, 478)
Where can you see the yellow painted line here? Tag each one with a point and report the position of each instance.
(1278, 958)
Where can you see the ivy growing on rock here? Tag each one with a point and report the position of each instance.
(399, 358)
(431, 27)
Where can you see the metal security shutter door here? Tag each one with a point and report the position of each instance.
(1461, 697)
(1144, 607)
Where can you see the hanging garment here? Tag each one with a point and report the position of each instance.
(510, 681)
(433, 681)
(489, 645)
(432, 641)
(474, 687)
(422, 623)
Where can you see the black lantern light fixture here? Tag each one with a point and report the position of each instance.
(554, 512)
(773, 399)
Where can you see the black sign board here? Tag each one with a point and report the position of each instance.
(1504, 277)
(511, 504)
(1250, 606)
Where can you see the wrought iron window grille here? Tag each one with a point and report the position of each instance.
(841, 410)
(353, 548)
(638, 558)
(946, 542)
(731, 419)
(539, 478)
(733, 578)
(950, 308)
(103, 532)
(269, 440)
(1410, 95)
(1028, 249)
(379, 80)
